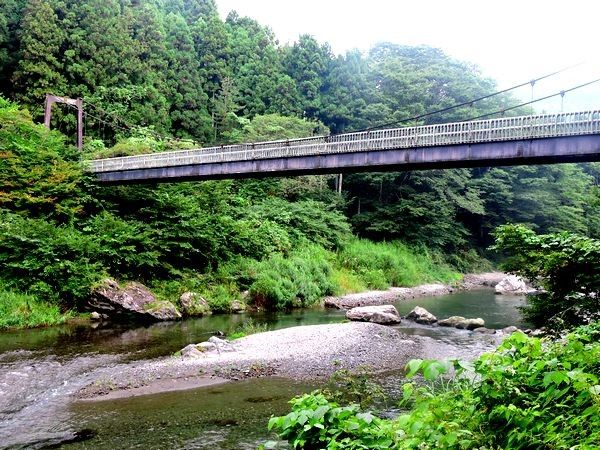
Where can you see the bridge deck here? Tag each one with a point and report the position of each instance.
(410, 140)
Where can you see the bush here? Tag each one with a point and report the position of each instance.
(315, 422)
(565, 265)
(54, 263)
(301, 279)
(527, 394)
(305, 221)
(25, 311)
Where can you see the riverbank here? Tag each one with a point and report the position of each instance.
(300, 353)
(393, 294)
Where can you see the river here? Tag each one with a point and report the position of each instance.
(39, 369)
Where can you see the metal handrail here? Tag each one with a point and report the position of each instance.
(502, 129)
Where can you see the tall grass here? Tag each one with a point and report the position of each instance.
(380, 265)
(25, 311)
(306, 275)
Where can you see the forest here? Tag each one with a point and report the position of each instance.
(163, 74)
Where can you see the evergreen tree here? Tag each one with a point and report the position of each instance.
(307, 62)
(189, 112)
(39, 70)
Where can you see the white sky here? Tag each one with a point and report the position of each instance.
(512, 41)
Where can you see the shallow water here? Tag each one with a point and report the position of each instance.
(40, 368)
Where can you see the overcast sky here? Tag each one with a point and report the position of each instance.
(512, 41)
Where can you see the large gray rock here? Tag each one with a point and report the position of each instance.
(193, 305)
(191, 351)
(237, 307)
(471, 324)
(421, 315)
(462, 323)
(509, 330)
(484, 330)
(513, 285)
(451, 321)
(133, 301)
(383, 314)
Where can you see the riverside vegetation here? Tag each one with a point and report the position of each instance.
(528, 393)
(172, 74)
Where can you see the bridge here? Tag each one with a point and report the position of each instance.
(539, 139)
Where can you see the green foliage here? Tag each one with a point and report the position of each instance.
(304, 221)
(173, 67)
(55, 263)
(300, 279)
(527, 394)
(272, 127)
(219, 297)
(25, 311)
(381, 265)
(123, 247)
(39, 174)
(565, 265)
(316, 422)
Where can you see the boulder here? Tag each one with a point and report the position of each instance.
(513, 285)
(95, 315)
(484, 330)
(221, 344)
(384, 314)
(471, 324)
(133, 301)
(191, 351)
(237, 307)
(509, 330)
(452, 321)
(462, 323)
(421, 315)
(193, 305)
(538, 332)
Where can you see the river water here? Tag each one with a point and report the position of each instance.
(39, 369)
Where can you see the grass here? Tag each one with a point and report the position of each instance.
(379, 265)
(25, 311)
(305, 275)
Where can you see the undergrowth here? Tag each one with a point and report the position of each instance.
(25, 311)
(529, 393)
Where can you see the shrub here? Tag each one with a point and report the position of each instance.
(219, 297)
(527, 394)
(301, 279)
(305, 221)
(25, 311)
(565, 265)
(316, 422)
(55, 263)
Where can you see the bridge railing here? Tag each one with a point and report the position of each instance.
(502, 129)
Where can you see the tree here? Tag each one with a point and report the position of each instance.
(189, 113)
(565, 265)
(307, 62)
(39, 70)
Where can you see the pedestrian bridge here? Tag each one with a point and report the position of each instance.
(539, 139)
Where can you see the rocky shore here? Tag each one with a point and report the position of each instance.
(302, 353)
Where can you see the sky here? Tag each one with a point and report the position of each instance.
(511, 41)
